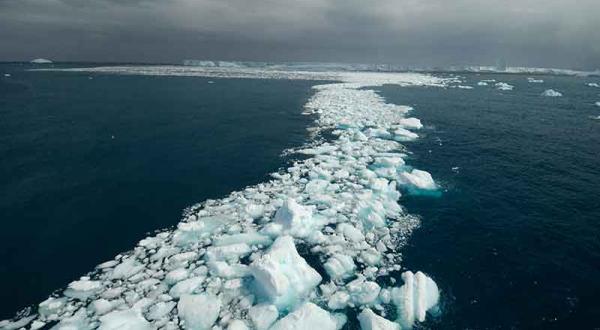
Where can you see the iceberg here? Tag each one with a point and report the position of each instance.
(282, 276)
(418, 179)
(418, 295)
(551, 93)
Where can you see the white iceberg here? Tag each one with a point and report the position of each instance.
(282, 276)
(551, 93)
(418, 295)
(418, 179)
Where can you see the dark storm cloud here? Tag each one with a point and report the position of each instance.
(410, 32)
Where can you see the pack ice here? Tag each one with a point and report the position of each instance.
(295, 252)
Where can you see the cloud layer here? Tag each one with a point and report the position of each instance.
(408, 32)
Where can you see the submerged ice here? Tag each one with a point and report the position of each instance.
(290, 253)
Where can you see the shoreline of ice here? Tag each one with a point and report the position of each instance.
(295, 251)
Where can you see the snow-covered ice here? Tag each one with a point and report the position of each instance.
(289, 253)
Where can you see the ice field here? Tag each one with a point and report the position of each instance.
(318, 239)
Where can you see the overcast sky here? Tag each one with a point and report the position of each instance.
(549, 33)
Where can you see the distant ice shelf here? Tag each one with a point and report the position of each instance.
(41, 61)
(290, 253)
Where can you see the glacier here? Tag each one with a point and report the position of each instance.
(289, 253)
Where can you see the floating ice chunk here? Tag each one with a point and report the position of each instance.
(18, 324)
(129, 319)
(307, 317)
(246, 238)
(282, 276)
(402, 134)
(176, 275)
(255, 211)
(464, 87)
(598, 104)
(186, 286)
(482, 83)
(551, 93)
(372, 213)
(504, 86)
(363, 292)
(198, 312)
(101, 306)
(41, 61)
(411, 123)
(535, 81)
(350, 232)
(127, 268)
(378, 133)
(296, 219)
(417, 178)
(227, 252)
(237, 325)
(51, 306)
(7, 75)
(263, 315)
(371, 321)
(83, 289)
(78, 321)
(594, 85)
(339, 266)
(418, 294)
(160, 310)
(223, 269)
(338, 300)
(194, 231)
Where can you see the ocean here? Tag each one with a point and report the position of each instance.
(93, 161)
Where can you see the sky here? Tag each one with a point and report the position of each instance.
(420, 33)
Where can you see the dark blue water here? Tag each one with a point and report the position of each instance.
(514, 241)
(88, 166)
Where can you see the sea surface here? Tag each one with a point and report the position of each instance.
(92, 162)
(514, 240)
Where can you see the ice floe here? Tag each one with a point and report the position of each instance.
(534, 80)
(289, 253)
(594, 85)
(551, 93)
(504, 86)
